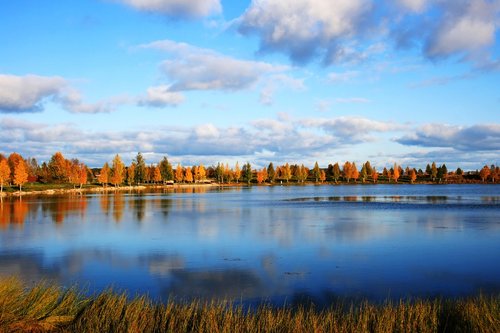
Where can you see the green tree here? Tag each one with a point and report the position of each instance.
(140, 169)
(271, 173)
(247, 173)
(166, 170)
(316, 172)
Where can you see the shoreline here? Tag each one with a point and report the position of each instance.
(101, 189)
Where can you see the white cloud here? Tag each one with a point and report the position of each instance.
(161, 96)
(470, 138)
(193, 68)
(177, 8)
(467, 27)
(304, 28)
(27, 93)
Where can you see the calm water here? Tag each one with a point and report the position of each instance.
(274, 244)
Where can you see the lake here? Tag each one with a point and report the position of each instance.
(281, 244)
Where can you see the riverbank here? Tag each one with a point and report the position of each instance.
(53, 190)
(48, 308)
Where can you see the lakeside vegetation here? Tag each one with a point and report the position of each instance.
(48, 308)
(61, 173)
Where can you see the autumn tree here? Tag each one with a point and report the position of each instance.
(413, 175)
(261, 175)
(493, 173)
(336, 172)
(200, 173)
(103, 177)
(228, 173)
(484, 173)
(117, 171)
(354, 172)
(316, 172)
(4, 173)
(73, 172)
(374, 175)
(434, 171)
(188, 175)
(396, 173)
(58, 168)
(347, 170)
(14, 160)
(131, 174)
(286, 172)
(271, 173)
(237, 172)
(322, 176)
(179, 174)
(157, 175)
(82, 174)
(20, 175)
(363, 173)
(219, 173)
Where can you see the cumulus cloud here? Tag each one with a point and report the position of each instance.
(161, 96)
(193, 68)
(303, 28)
(466, 27)
(29, 93)
(177, 8)
(353, 31)
(463, 138)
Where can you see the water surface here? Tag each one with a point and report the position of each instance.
(277, 244)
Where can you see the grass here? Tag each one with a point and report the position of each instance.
(47, 308)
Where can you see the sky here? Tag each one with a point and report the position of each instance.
(208, 81)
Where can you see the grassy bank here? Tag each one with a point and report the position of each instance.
(47, 308)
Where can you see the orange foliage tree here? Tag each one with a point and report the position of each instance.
(20, 175)
(374, 175)
(117, 171)
(4, 173)
(484, 173)
(179, 174)
(396, 173)
(82, 174)
(188, 175)
(237, 172)
(103, 177)
(157, 175)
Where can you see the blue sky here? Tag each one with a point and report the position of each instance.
(203, 81)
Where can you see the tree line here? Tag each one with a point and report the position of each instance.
(16, 170)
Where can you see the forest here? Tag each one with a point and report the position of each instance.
(16, 171)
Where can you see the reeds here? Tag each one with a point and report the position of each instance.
(46, 308)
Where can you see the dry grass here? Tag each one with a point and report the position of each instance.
(46, 308)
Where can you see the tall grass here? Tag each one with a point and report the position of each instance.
(46, 308)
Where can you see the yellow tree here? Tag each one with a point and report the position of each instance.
(188, 175)
(117, 171)
(73, 172)
(237, 172)
(20, 175)
(157, 175)
(103, 177)
(286, 172)
(4, 173)
(202, 173)
(131, 174)
(179, 174)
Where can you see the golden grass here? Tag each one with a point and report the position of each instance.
(46, 308)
